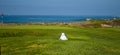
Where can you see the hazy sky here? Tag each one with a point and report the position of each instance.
(61, 7)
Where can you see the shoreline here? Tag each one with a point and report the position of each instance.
(87, 23)
(42, 23)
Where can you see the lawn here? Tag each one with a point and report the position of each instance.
(44, 40)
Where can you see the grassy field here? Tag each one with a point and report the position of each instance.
(44, 40)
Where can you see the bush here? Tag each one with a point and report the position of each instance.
(97, 23)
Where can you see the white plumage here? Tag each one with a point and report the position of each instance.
(63, 37)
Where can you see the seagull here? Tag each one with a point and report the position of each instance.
(63, 37)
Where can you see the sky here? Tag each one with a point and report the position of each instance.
(61, 7)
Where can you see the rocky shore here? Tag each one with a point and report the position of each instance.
(88, 24)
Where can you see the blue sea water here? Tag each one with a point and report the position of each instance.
(21, 19)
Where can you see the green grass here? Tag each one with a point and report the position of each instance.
(44, 40)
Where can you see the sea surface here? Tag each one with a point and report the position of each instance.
(21, 19)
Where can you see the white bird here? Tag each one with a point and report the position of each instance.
(63, 37)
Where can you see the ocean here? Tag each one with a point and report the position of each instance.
(22, 19)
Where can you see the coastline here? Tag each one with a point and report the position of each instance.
(43, 23)
(87, 23)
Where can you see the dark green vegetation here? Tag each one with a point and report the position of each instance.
(110, 23)
(44, 40)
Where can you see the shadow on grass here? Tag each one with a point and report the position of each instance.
(77, 39)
